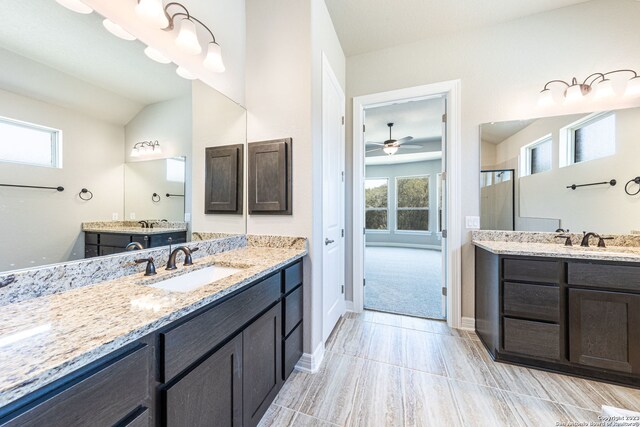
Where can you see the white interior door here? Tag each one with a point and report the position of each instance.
(443, 216)
(333, 104)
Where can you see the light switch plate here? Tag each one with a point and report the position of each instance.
(114, 216)
(472, 222)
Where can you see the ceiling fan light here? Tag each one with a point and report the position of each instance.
(76, 6)
(390, 149)
(633, 87)
(546, 98)
(213, 60)
(604, 89)
(187, 39)
(184, 73)
(152, 11)
(156, 55)
(117, 30)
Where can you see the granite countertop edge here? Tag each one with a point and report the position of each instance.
(140, 231)
(30, 384)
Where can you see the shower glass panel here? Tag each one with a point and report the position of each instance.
(497, 196)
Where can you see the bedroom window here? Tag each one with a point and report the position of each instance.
(377, 204)
(412, 204)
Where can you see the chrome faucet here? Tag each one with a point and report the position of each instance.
(171, 263)
(585, 238)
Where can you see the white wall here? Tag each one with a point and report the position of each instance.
(283, 92)
(44, 226)
(502, 69)
(169, 123)
(391, 171)
(226, 18)
(217, 120)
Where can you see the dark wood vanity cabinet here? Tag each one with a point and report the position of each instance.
(222, 365)
(99, 244)
(567, 315)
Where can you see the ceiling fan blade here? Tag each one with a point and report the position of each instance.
(411, 147)
(375, 143)
(375, 149)
(403, 140)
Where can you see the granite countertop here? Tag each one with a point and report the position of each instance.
(45, 338)
(543, 249)
(134, 230)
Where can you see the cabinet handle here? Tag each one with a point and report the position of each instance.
(328, 241)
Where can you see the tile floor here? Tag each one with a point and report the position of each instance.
(387, 370)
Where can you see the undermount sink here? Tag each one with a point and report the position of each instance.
(196, 279)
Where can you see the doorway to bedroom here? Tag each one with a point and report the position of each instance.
(404, 202)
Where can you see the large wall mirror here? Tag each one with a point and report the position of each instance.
(124, 135)
(573, 172)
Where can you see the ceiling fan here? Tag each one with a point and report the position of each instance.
(391, 146)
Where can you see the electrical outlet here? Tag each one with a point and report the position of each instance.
(114, 216)
(472, 222)
(187, 217)
(132, 215)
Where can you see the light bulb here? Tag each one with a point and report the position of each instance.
(184, 73)
(604, 89)
(152, 11)
(213, 60)
(576, 92)
(546, 98)
(76, 6)
(187, 39)
(117, 30)
(390, 149)
(135, 152)
(157, 149)
(633, 87)
(156, 55)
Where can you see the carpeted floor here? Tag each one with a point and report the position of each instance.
(404, 281)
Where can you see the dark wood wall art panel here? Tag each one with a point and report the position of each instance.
(270, 178)
(224, 179)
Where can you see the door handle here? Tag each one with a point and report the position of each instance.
(328, 241)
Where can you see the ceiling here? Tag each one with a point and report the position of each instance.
(57, 41)
(368, 25)
(420, 119)
(495, 133)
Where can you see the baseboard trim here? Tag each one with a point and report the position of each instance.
(311, 362)
(403, 245)
(349, 306)
(468, 324)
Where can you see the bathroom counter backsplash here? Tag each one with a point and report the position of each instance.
(133, 227)
(73, 328)
(623, 248)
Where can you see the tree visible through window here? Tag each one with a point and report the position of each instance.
(376, 194)
(412, 210)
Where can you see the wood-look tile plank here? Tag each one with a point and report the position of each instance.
(294, 390)
(386, 345)
(464, 362)
(429, 325)
(387, 318)
(533, 412)
(277, 416)
(578, 415)
(617, 396)
(331, 394)
(421, 351)
(380, 399)
(352, 338)
(302, 420)
(482, 406)
(429, 400)
(569, 390)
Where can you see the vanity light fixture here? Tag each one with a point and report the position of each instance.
(187, 39)
(184, 73)
(117, 30)
(76, 6)
(156, 55)
(146, 147)
(598, 83)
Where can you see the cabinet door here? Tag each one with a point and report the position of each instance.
(211, 394)
(262, 365)
(270, 177)
(604, 329)
(223, 182)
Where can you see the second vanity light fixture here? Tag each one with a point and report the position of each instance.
(146, 147)
(176, 15)
(599, 83)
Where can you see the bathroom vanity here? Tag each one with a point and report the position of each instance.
(572, 310)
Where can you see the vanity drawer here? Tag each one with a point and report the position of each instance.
(292, 310)
(292, 351)
(292, 277)
(90, 238)
(188, 342)
(532, 338)
(118, 240)
(620, 277)
(156, 240)
(531, 270)
(537, 302)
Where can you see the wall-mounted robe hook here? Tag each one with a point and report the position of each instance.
(635, 180)
(85, 194)
(155, 197)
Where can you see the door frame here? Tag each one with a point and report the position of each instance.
(453, 273)
(329, 74)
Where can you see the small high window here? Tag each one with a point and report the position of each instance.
(536, 157)
(591, 138)
(29, 144)
(377, 204)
